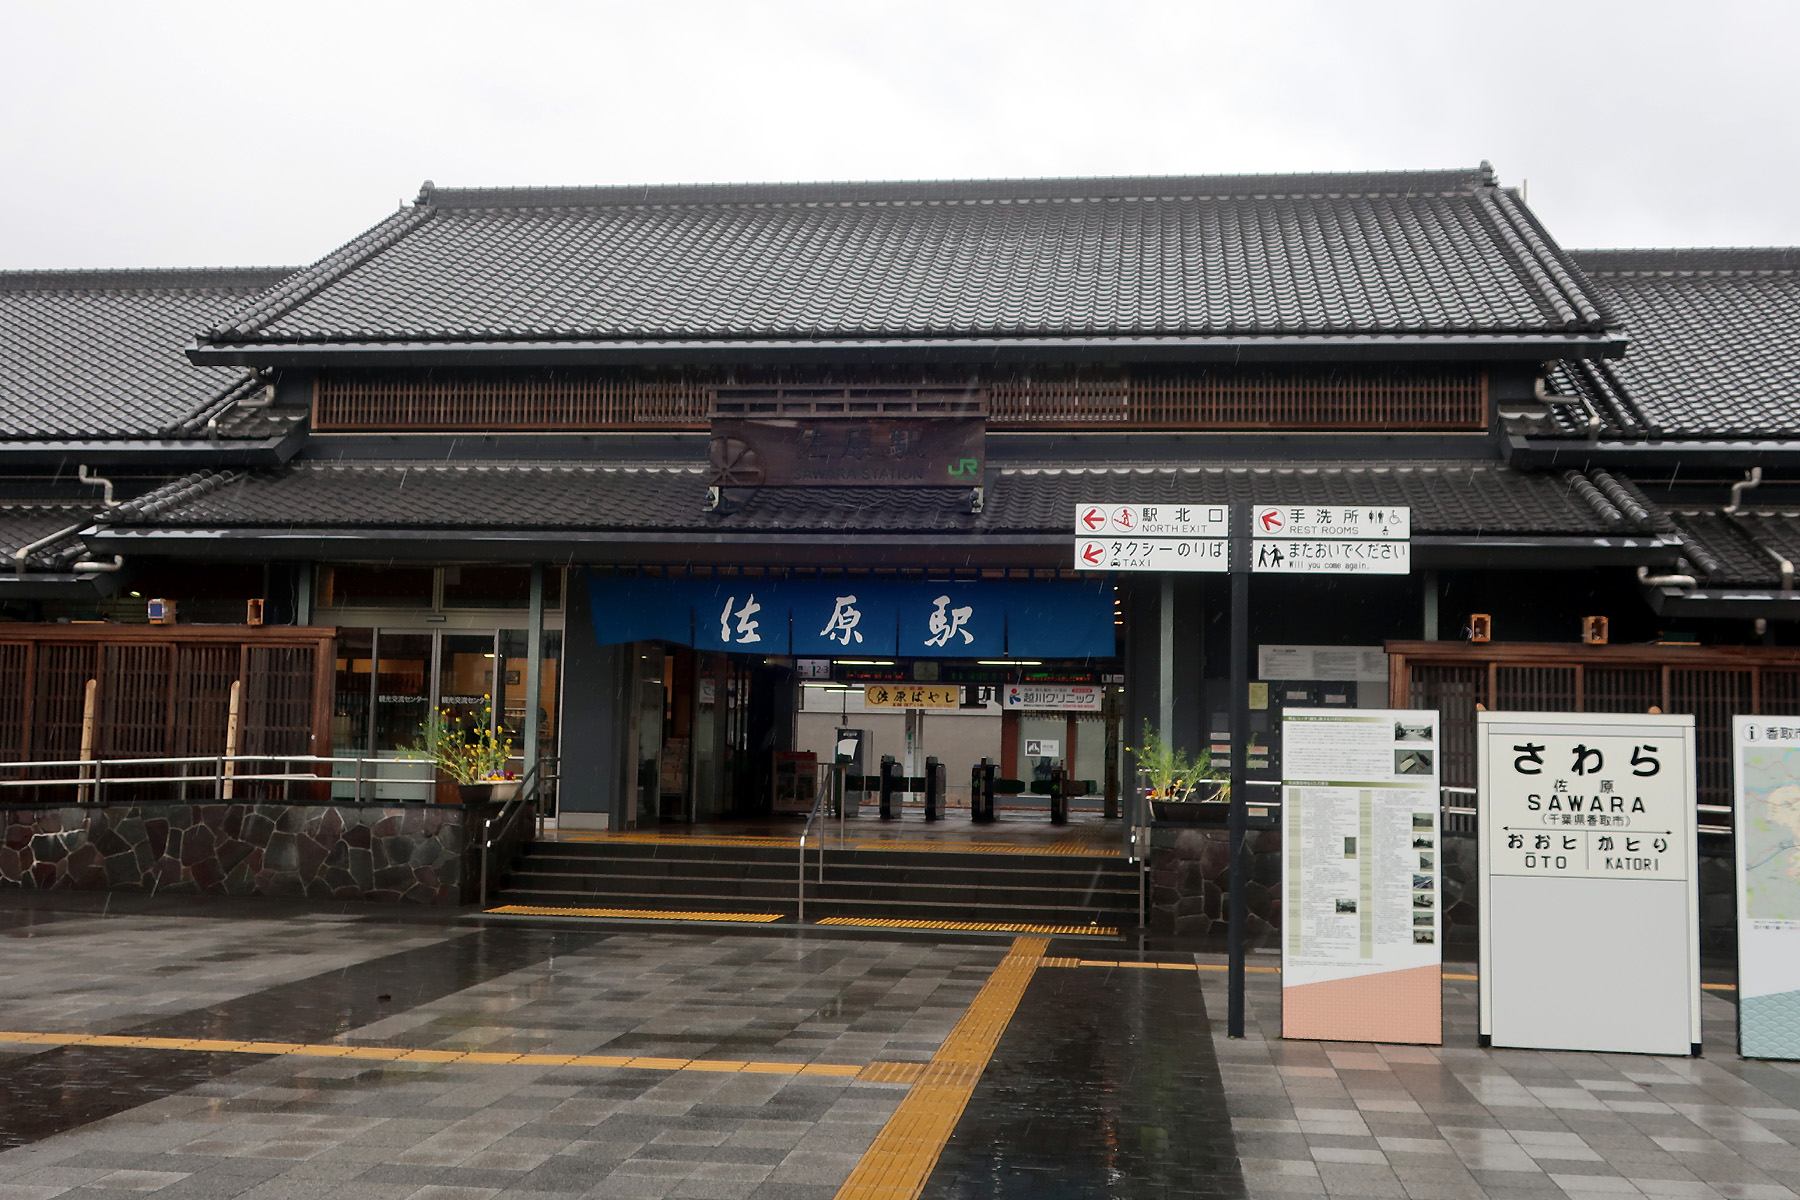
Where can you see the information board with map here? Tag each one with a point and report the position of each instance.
(1766, 755)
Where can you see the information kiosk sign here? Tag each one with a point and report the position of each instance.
(1361, 957)
(1766, 760)
(1590, 914)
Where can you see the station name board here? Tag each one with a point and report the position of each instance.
(885, 452)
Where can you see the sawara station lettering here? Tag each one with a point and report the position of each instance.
(1584, 804)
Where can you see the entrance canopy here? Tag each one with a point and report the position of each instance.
(860, 618)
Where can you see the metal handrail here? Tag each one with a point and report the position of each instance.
(508, 815)
(819, 796)
(93, 775)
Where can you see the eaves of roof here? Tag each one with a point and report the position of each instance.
(236, 544)
(1740, 604)
(173, 454)
(1237, 349)
(1663, 454)
(57, 585)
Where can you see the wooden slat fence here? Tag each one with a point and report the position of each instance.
(1714, 683)
(161, 692)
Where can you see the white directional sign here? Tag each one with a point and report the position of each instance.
(1293, 557)
(1152, 554)
(1153, 520)
(1588, 883)
(1330, 521)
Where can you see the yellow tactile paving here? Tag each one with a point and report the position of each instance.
(877, 1072)
(634, 914)
(891, 1072)
(900, 1159)
(681, 839)
(1096, 842)
(971, 926)
(1066, 846)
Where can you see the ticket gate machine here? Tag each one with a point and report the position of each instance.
(935, 774)
(893, 781)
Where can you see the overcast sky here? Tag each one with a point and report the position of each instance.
(172, 134)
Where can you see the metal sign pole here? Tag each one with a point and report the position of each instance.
(1241, 550)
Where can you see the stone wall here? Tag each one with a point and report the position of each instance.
(416, 853)
(1188, 884)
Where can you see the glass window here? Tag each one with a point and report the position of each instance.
(514, 667)
(350, 698)
(466, 674)
(487, 587)
(402, 689)
(353, 586)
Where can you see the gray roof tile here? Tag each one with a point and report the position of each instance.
(98, 354)
(1446, 498)
(1714, 344)
(1740, 552)
(21, 524)
(1397, 253)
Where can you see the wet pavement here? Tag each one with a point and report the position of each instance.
(279, 1053)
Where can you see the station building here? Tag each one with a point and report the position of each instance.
(676, 474)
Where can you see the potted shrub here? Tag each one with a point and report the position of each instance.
(471, 752)
(1177, 786)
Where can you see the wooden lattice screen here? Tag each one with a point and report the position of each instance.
(509, 402)
(1714, 683)
(1451, 400)
(161, 692)
(1049, 399)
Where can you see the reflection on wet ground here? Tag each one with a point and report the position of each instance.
(72, 1085)
(520, 1062)
(1103, 1086)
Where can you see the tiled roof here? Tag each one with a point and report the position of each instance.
(1714, 344)
(21, 524)
(25, 522)
(98, 354)
(1446, 498)
(1743, 550)
(1401, 253)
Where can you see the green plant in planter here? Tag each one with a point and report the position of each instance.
(467, 748)
(1172, 774)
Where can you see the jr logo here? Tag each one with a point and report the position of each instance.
(965, 466)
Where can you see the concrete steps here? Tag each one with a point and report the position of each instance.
(959, 885)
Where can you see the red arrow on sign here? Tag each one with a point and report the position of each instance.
(1271, 519)
(1093, 552)
(1093, 518)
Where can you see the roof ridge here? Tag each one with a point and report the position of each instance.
(303, 284)
(216, 405)
(1724, 260)
(1539, 262)
(157, 501)
(958, 190)
(83, 279)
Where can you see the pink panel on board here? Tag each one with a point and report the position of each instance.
(1393, 1006)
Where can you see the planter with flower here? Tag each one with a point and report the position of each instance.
(471, 752)
(1178, 786)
